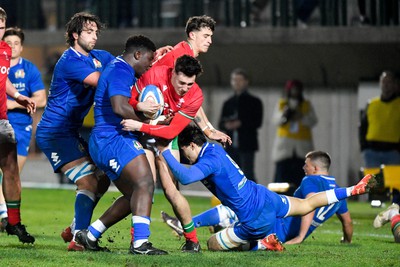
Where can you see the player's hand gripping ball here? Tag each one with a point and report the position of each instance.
(152, 93)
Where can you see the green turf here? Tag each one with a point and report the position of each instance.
(46, 212)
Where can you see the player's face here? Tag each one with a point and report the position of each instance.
(202, 39)
(182, 83)
(309, 168)
(2, 28)
(189, 153)
(86, 41)
(144, 63)
(15, 43)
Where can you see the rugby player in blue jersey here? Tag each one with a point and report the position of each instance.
(26, 78)
(293, 229)
(256, 207)
(117, 152)
(70, 97)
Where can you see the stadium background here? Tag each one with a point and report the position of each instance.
(333, 57)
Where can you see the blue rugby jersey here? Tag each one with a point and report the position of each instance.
(117, 79)
(224, 178)
(69, 99)
(26, 78)
(314, 184)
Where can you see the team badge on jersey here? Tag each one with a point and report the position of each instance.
(20, 74)
(97, 64)
(181, 101)
(137, 145)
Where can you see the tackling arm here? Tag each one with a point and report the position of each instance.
(184, 175)
(122, 108)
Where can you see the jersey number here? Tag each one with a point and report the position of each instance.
(323, 211)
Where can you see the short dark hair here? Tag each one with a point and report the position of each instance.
(195, 23)
(15, 31)
(139, 42)
(321, 158)
(190, 134)
(188, 65)
(77, 23)
(242, 72)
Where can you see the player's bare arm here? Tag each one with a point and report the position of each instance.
(347, 227)
(160, 52)
(204, 124)
(131, 125)
(24, 101)
(148, 106)
(121, 107)
(92, 79)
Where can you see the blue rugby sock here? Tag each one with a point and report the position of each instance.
(84, 206)
(208, 218)
(141, 230)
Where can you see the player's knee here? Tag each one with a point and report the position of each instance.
(83, 175)
(224, 240)
(145, 183)
(103, 182)
(212, 244)
(87, 193)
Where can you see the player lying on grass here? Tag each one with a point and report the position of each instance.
(256, 207)
(292, 229)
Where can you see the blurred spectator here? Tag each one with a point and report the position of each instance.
(241, 118)
(379, 130)
(294, 117)
(387, 10)
(304, 9)
(257, 7)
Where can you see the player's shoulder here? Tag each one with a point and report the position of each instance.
(101, 54)
(212, 150)
(27, 64)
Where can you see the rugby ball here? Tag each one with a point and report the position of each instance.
(154, 94)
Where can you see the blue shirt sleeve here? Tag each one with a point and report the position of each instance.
(184, 175)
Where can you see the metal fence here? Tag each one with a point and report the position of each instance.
(36, 14)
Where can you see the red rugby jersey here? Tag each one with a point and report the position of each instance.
(5, 57)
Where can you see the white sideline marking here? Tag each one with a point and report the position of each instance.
(356, 234)
(112, 188)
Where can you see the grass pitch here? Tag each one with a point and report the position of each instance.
(46, 212)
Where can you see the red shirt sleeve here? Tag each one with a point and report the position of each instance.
(178, 123)
(192, 102)
(180, 49)
(133, 101)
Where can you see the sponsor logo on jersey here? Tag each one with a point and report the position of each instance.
(97, 63)
(20, 74)
(6, 55)
(4, 70)
(55, 158)
(19, 86)
(114, 165)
